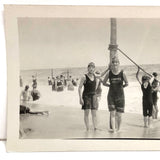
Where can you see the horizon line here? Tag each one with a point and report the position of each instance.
(81, 67)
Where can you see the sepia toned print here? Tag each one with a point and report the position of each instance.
(77, 78)
(58, 67)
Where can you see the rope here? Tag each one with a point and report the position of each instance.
(134, 62)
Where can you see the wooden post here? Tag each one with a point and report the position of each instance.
(113, 45)
(113, 39)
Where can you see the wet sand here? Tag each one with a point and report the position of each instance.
(67, 122)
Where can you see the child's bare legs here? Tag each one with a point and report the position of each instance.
(113, 121)
(149, 121)
(150, 111)
(145, 122)
(156, 111)
(94, 118)
(86, 118)
(118, 120)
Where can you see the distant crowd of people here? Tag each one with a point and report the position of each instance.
(58, 83)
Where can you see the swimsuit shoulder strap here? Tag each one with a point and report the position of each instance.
(110, 73)
(85, 78)
(121, 73)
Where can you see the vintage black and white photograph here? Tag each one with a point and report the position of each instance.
(89, 78)
(83, 78)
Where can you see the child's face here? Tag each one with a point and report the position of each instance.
(145, 82)
(115, 63)
(91, 69)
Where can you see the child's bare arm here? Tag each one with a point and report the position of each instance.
(151, 80)
(125, 80)
(105, 80)
(157, 88)
(137, 76)
(97, 82)
(80, 89)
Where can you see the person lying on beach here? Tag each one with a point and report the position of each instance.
(147, 99)
(35, 94)
(88, 98)
(155, 89)
(26, 110)
(116, 101)
(25, 97)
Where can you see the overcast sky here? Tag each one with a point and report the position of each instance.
(57, 43)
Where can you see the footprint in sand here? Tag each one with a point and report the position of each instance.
(25, 132)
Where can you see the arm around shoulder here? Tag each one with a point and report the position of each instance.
(137, 76)
(125, 80)
(105, 80)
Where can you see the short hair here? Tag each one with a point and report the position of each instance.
(155, 74)
(145, 78)
(115, 59)
(26, 87)
(91, 64)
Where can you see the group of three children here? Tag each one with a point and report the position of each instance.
(116, 101)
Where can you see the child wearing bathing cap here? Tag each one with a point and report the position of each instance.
(147, 101)
(87, 97)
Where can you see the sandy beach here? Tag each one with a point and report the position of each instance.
(67, 122)
(65, 119)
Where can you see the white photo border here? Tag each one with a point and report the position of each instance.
(12, 13)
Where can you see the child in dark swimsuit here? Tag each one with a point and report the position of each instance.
(88, 98)
(155, 89)
(147, 100)
(116, 102)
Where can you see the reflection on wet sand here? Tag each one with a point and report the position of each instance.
(67, 122)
